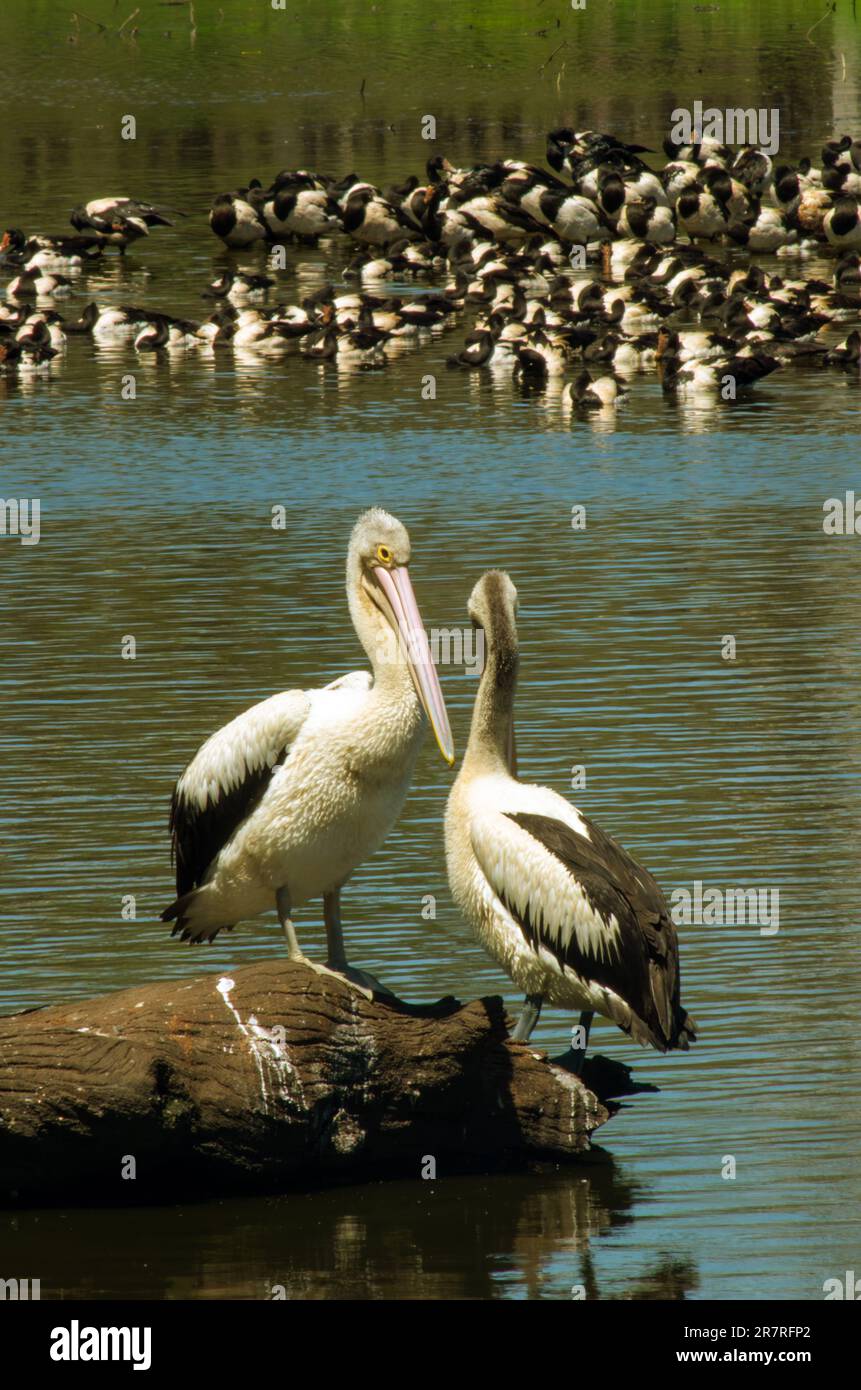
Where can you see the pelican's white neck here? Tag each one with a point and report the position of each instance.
(491, 734)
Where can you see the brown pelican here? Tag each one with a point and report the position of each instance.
(284, 802)
(567, 913)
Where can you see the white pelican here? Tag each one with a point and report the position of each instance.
(284, 802)
(567, 913)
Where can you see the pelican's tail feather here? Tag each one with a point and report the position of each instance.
(182, 913)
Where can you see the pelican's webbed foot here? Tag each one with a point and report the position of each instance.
(571, 1061)
(362, 980)
(336, 962)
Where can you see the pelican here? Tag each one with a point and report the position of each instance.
(283, 804)
(567, 913)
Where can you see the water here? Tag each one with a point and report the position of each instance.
(156, 523)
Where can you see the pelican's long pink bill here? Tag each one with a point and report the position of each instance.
(398, 589)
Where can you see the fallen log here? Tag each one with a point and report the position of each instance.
(273, 1076)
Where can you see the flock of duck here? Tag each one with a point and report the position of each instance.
(576, 276)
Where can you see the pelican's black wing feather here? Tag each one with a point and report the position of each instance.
(226, 780)
(644, 972)
(199, 833)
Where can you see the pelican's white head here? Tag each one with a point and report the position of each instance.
(385, 613)
(492, 606)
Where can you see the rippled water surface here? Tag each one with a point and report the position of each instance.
(700, 524)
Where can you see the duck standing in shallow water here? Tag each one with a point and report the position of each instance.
(567, 913)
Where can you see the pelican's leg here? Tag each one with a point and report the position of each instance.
(285, 917)
(573, 1059)
(529, 1016)
(580, 1052)
(294, 950)
(336, 957)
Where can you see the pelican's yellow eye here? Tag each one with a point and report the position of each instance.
(384, 555)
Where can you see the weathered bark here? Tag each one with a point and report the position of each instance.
(275, 1075)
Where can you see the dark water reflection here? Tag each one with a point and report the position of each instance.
(156, 522)
(513, 1237)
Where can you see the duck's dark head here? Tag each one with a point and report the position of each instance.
(834, 177)
(668, 343)
(218, 287)
(438, 169)
(13, 240)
